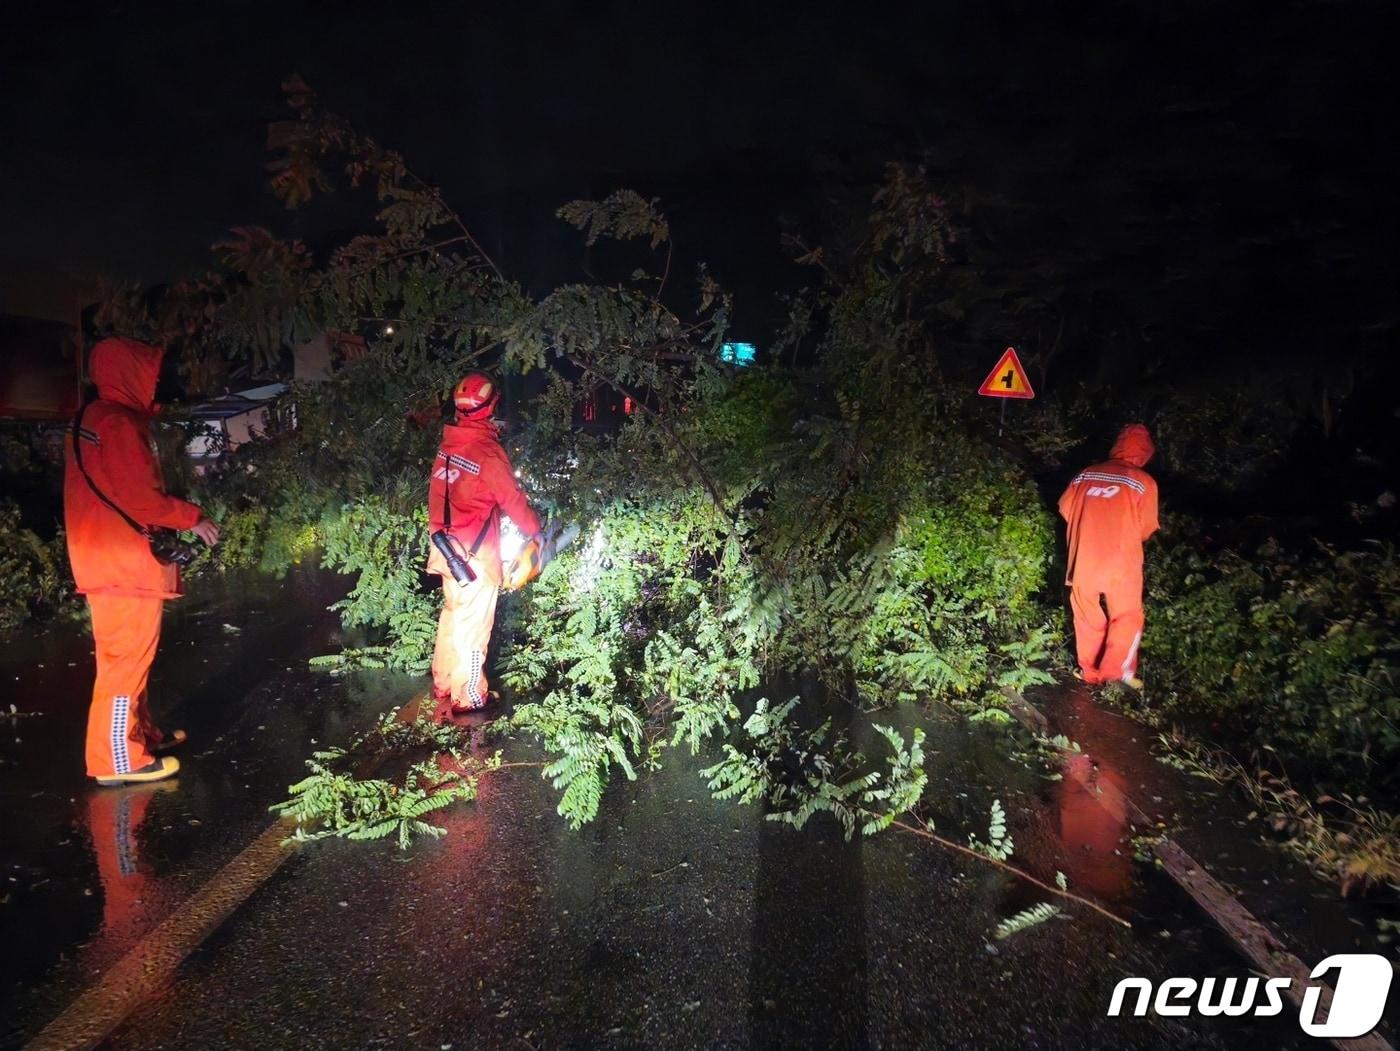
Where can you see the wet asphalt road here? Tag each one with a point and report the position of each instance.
(672, 921)
(1224, 827)
(87, 871)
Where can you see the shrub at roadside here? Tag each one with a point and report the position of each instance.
(1291, 651)
(34, 576)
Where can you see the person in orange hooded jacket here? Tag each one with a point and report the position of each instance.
(1110, 509)
(472, 483)
(125, 585)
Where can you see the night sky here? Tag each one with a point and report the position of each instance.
(1183, 145)
(136, 138)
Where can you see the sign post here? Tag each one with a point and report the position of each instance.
(1007, 380)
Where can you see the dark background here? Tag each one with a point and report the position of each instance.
(1163, 196)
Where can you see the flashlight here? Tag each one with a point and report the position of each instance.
(461, 571)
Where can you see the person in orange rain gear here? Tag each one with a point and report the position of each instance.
(472, 483)
(112, 489)
(1110, 510)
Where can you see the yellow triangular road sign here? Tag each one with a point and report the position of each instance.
(1008, 379)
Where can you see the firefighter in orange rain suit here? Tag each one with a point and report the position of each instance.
(1110, 510)
(472, 483)
(126, 586)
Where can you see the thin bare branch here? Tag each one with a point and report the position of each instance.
(1011, 869)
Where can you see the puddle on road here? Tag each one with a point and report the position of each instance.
(1212, 823)
(87, 871)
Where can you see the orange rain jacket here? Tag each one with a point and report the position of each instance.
(1111, 509)
(107, 555)
(474, 470)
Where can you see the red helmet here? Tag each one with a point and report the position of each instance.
(476, 395)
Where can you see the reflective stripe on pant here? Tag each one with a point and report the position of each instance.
(463, 636)
(1107, 644)
(125, 633)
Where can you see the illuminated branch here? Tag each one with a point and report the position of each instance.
(681, 446)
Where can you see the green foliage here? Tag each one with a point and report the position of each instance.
(623, 215)
(1229, 439)
(586, 737)
(1026, 919)
(341, 805)
(1343, 838)
(1022, 657)
(333, 802)
(387, 549)
(902, 786)
(620, 631)
(1290, 650)
(999, 845)
(742, 523)
(797, 774)
(34, 575)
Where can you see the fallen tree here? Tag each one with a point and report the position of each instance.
(851, 516)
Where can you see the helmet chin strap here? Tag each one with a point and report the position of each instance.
(481, 412)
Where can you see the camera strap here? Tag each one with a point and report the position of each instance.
(78, 458)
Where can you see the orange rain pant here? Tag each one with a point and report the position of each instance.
(1107, 644)
(125, 633)
(463, 636)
